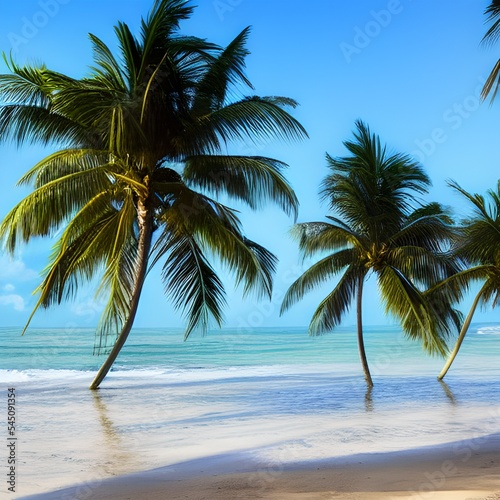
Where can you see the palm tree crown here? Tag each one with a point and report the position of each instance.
(478, 246)
(142, 144)
(380, 227)
(493, 17)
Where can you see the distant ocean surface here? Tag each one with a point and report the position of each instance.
(274, 392)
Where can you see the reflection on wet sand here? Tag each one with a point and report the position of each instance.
(117, 456)
(368, 398)
(448, 392)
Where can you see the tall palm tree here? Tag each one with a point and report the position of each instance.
(478, 245)
(141, 156)
(493, 16)
(380, 227)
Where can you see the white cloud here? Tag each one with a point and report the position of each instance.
(88, 308)
(15, 269)
(9, 287)
(12, 300)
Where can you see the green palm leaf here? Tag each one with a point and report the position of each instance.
(107, 71)
(227, 69)
(192, 284)
(493, 16)
(493, 13)
(253, 180)
(314, 237)
(248, 118)
(217, 229)
(422, 319)
(42, 212)
(318, 273)
(332, 308)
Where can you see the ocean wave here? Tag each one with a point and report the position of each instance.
(17, 376)
(169, 375)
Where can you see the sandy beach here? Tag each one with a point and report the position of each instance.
(463, 470)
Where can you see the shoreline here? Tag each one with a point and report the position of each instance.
(228, 430)
(461, 470)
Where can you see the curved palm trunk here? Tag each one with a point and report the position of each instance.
(144, 246)
(463, 331)
(361, 342)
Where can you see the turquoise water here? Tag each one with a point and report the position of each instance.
(72, 348)
(55, 349)
(162, 354)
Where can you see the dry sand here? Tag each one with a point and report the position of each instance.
(466, 470)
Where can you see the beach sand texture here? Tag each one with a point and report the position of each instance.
(466, 470)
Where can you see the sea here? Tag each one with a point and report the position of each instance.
(274, 395)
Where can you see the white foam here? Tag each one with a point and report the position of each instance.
(163, 375)
(26, 376)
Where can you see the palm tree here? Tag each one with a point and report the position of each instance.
(493, 16)
(479, 245)
(380, 227)
(141, 156)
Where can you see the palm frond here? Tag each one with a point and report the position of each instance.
(192, 284)
(42, 212)
(62, 163)
(107, 70)
(491, 288)
(493, 16)
(251, 118)
(317, 274)
(479, 241)
(492, 83)
(314, 237)
(131, 53)
(78, 254)
(428, 319)
(491, 36)
(459, 284)
(160, 25)
(424, 267)
(224, 71)
(217, 229)
(429, 227)
(330, 311)
(254, 180)
(33, 124)
(28, 88)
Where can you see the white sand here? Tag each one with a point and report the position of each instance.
(466, 470)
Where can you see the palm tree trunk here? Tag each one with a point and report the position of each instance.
(144, 245)
(361, 343)
(461, 336)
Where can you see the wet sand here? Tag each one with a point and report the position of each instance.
(462, 470)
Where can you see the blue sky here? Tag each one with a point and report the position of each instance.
(411, 69)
